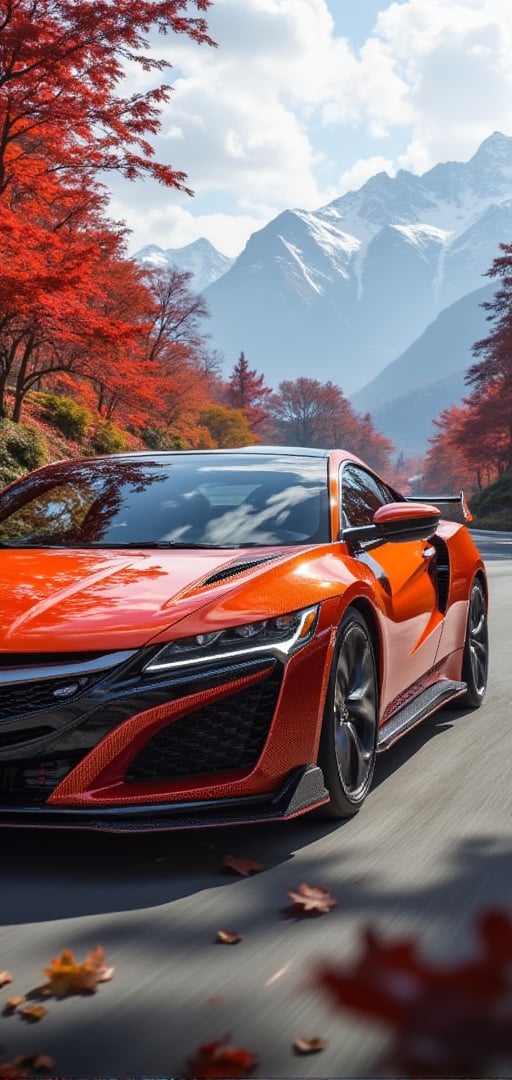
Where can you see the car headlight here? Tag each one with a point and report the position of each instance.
(283, 635)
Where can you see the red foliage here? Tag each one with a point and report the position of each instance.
(470, 447)
(246, 390)
(307, 412)
(70, 301)
(446, 1020)
(62, 64)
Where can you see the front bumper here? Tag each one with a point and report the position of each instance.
(303, 790)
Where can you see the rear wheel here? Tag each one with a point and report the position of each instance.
(349, 732)
(475, 660)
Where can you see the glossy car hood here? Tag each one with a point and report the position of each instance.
(60, 601)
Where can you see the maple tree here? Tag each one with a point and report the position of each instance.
(63, 124)
(176, 354)
(62, 67)
(491, 376)
(371, 445)
(307, 412)
(80, 323)
(154, 375)
(473, 443)
(466, 451)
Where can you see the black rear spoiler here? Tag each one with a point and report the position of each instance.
(437, 500)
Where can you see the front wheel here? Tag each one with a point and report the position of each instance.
(475, 659)
(349, 731)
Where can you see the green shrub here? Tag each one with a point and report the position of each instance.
(108, 439)
(66, 415)
(156, 439)
(21, 450)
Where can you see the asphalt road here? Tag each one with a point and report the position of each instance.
(431, 847)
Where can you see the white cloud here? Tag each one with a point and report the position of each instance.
(453, 56)
(354, 178)
(268, 119)
(238, 118)
(173, 226)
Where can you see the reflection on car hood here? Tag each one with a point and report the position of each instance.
(78, 600)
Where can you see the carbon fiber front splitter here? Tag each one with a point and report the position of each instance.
(303, 790)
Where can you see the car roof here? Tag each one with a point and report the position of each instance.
(161, 455)
(287, 451)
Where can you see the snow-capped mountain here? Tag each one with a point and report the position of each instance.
(201, 259)
(341, 292)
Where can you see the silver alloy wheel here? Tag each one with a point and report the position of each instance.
(355, 710)
(476, 656)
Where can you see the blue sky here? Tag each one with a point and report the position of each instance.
(304, 100)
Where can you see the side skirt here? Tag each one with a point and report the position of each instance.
(418, 709)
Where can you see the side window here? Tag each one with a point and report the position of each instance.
(361, 495)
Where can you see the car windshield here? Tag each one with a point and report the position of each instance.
(181, 500)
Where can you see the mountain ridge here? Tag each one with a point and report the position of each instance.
(345, 291)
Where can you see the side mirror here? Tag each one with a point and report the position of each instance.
(396, 523)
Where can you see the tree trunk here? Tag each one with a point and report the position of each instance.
(21, 388)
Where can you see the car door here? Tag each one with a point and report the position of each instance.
(404, 584)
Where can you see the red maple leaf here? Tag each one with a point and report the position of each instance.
(221, 1060)
(446, 1020)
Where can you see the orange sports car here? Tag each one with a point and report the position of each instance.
(206, 637)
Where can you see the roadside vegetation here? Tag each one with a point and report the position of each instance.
(492, 507)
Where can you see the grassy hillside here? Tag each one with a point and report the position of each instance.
(492, 507)
(53, 429)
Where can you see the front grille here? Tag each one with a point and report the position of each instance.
(226, 734)
(22, 698)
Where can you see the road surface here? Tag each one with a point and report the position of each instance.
(431, 847)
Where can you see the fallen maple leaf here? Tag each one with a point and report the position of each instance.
(445, 1019)
(32, 1012)
(309, 1046)
(13, 1003)
(67, 976)
(5, 977)
(228, 937)
(220, 1061)
(16, 1069)
(312, 899)
(241, 865)
(40, 1061)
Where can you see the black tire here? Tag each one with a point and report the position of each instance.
(475, 659)
(349, 732)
